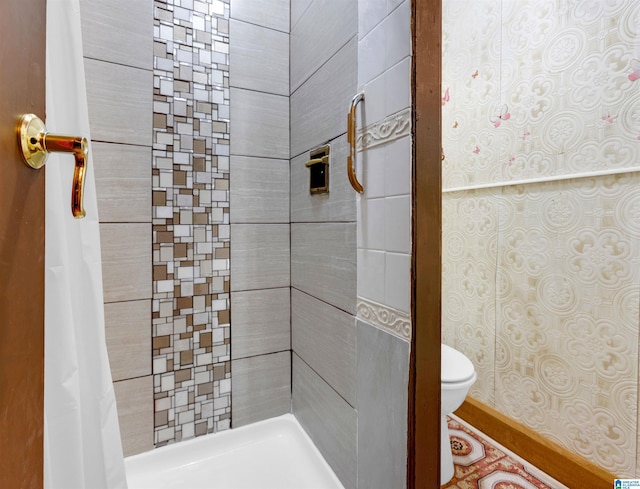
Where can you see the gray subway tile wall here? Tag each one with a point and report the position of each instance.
(123, 182)
(298, 8)
(126, 261)
(325, 337)
(324, 28)
(260, 256)
(261, 322)
(260, 58)
(119, 96)
(261, 387)
(259, 190)
(323, 233)
(383, 375)
(273, 14)
(128, 337)
(260, 124)
(128, 121)
(319, 106)
(110, 29)
(134, 398)
(260, 223)
(323, 262)
(328, 419)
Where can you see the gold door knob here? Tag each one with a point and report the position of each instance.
(36, 143)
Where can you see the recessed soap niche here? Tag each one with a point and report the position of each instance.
(318, 165)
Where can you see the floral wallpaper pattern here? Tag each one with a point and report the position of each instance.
(541, 280)
(539, 88)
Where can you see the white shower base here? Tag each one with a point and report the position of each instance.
(271, 454)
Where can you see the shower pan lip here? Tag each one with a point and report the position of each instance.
(272, 454)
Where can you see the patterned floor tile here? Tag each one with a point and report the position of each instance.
(480, 465)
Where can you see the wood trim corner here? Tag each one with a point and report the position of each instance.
(423, 464)
(561, 464)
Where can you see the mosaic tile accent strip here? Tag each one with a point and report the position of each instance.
(388, 129)
(384, 317)
(191, 319)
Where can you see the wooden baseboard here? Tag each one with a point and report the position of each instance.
(566, 467)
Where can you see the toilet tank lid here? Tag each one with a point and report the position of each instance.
(455, 366)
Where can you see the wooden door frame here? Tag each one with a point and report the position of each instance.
(423, 466)
(22, 55)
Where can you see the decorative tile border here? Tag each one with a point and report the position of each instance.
(389, 129)
(191, 319)
(391, 320)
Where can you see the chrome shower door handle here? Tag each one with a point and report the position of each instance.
(36, 144)
(351, 136)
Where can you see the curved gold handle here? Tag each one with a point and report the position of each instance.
(36, 143)
(351, 136)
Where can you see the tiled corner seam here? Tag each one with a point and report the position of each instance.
(191, 236)
(391, 320)
(388, 129)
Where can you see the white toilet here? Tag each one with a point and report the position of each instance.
(457, 376)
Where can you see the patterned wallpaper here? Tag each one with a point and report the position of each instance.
(191, 337)
(539, 88)
(541, 281)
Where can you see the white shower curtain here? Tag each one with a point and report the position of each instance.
(82, 437)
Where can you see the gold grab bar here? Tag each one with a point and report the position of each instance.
(36, 144)
(351, 136)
